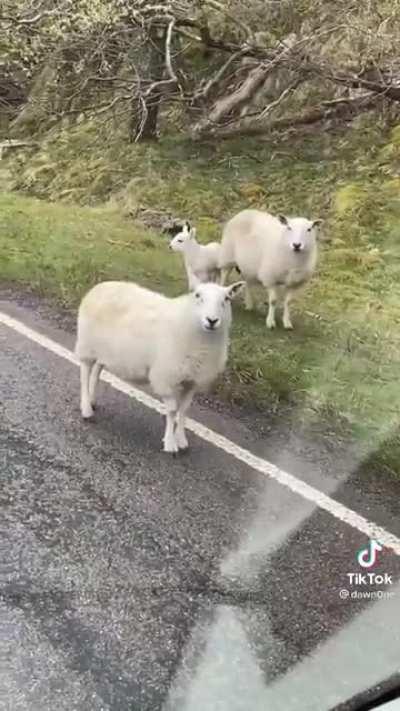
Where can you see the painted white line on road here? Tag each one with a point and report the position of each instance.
(336, 509)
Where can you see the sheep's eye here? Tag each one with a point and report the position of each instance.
(180, 240)
(197, 296)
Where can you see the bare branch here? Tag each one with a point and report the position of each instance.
(143, 119)
(235, 20)
(243, 94)
(274, 104)
(168, 61)
(98, 108)
(390, 91)
(215, 80)
(28, 20)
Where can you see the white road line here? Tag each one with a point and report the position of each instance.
(336, 509)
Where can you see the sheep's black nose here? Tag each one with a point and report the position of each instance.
(212, 321)
(297, 246)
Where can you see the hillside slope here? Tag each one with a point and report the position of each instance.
(341, 364)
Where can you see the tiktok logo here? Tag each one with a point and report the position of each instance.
(366, 557)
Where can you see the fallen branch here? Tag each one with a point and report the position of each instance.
(324, 113)
(242, 95)
(273, 105)
(389, 91)
(331, 110)
(10, 143)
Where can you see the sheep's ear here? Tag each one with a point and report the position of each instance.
(283, 220)
(234, 289)
(317, 223)
(173, 230)
(193, 232)
(187, 226)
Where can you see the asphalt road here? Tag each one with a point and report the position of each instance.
(130, 580)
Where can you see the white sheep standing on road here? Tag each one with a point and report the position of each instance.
(179, 346)
(278, 252)
(201, 260)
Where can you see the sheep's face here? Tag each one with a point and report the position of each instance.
(300, 233)
(213, 304)
(187, 233)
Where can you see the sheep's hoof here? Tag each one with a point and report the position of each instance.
(181, 442)
(87, 412)
(288, 326)
(271, 325)
(170, 447)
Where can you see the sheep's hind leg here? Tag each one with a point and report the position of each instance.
(93, 381)
(86, 407)
(287, 323)
(272, 299)
(171, 407)
(248, 298)
(183, 407)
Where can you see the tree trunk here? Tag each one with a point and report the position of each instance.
(145, 113)
(144, 128)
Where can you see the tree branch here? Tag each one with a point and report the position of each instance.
(330, 110)
(214, 81)
(220, 7)
(389, 91)
(242, 95)
(168, 61)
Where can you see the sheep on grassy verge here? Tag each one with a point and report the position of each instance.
(179, 346)
(201, 260)
(278, 252)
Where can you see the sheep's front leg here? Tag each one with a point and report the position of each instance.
(93, 381)
(86, 407)
(183, 407)
(248, 298)
(272, 299)
(191, 280)
(171, 407)
(225, 272)
(287, 323)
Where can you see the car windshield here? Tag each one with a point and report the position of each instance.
(199, 355)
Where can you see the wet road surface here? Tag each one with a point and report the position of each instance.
(132, 580)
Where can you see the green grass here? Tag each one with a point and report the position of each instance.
(342, 362)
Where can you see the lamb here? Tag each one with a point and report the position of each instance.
(278, 252)
(201, 260)
(178, 346)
